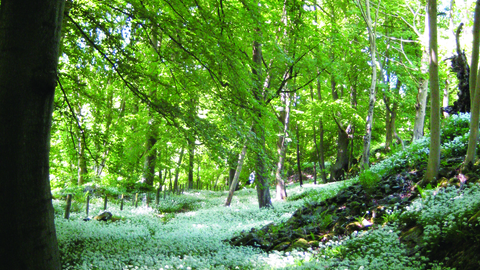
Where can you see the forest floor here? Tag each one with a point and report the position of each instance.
(379, 219)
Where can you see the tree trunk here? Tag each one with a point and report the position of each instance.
(263, 189)
(151, 153)
(391, 115)
(474, 121)
(341, 164)
(177, 170)
(338, 170)
(234, 183)
(82, 161)
(371, 103)
(446, 98)
(459, 65)
(150, 158)
(284, 118)
(191, 159)
(299, 167)
(421, 105)
(420, 109)
(30, 32)
(434, 155)
(320, 150)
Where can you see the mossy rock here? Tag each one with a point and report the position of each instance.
(282, 246)
(299, 244)
(314, 243)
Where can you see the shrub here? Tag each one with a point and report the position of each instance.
(454, 126)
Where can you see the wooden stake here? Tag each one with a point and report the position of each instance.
(136, 200)
(121, 203)
(88, 204)
(105, 203)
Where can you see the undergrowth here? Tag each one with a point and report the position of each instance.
(191, 237)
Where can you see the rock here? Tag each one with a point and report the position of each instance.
(103, 216)
(299, 244)
(282, 246)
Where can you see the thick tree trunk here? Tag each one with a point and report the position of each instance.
(341, 164)
(434, 155)
(474, 121)
(238, 171)
(261, 177)
(281, 193)
(150, 158)
(459, 65)
(29, 44)
(338, 170)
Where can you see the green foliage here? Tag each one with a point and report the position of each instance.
(454, 126)
(445, 213)
(369, 179)
(178, 204)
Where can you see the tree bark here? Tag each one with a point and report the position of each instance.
(446, 98)
(177, 170)
(459, 65)
(150, 158)
(475, 114)
(82, 161)
(371, 103)
(338, 170)
(420, 108)
(263, 189)
(238, 171)
(299, 167)
(284, 118)
(29, 45)
(191, 159)
(421, 105)
(434, 155)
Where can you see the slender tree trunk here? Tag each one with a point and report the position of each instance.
(238, 171)
(177, 170)
(371, 103)
(150, 158)
(299, 167)
(421, 105)
(281, 193)
(151, 153)
(320, 150)
(82, 161)
(474, 120)
(446, 98)
(434, 155)
(29, 45)
(191, 159)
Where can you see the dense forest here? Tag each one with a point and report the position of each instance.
(284, 111)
